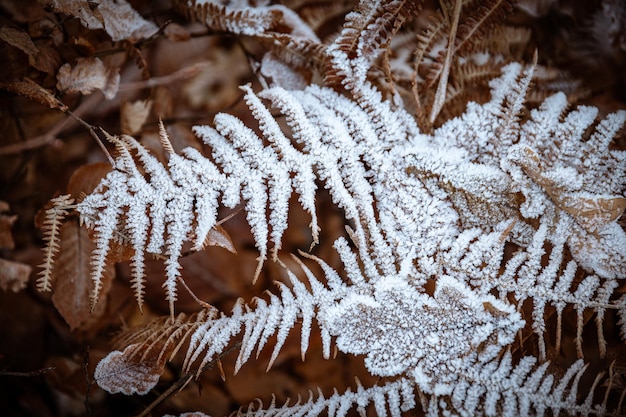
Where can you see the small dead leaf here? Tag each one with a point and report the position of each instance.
(134, 115)
(85, 179)
(18, 38)
(218, 236)
(73, 286)
(89, 17)
(87, 75)
(122, 22)
(591, 211)
(6, 222)
(127, 372)
(35, 92)
(13, 275)
(281, 74)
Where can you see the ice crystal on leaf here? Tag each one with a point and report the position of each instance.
(435, 339)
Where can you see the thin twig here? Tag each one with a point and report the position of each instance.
(88, 380)
(181, 74)
(28, 374)
(92, 131)
(52, 134)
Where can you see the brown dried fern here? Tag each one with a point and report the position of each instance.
(51, 228)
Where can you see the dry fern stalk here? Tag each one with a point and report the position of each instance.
(466, 246)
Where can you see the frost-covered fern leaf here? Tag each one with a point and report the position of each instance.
(552, 166)
(392, 399)
(501, 389)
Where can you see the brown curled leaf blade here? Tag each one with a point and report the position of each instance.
(71, 276)
(33, 91)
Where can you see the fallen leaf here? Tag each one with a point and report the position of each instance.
(176, 32)
(6, 222)
(73, 286)
(133, 115)
(34, 91)
(122, 22)
(13, 275)
(48, 59)
(218, 236)
(591, 211)
(127, 372)
(88, 75)
(81, 9)
(18, 38)
(85, 179)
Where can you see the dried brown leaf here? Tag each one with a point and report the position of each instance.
(13, 275)
(48, 59)
(6, 221)
(85, 179)
(134, 115)
(35, 92)
(127, 372)
(176, 32)
(116, 17)
(88, 75)
(89, 17)
(218, 236)
(73, 286)
(591, 211)
(18, 38)
(122, 22)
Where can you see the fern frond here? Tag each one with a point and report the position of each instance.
(368, 29)
(277, 316)
(51, 228)
(371, 25)
(501, 389)
(390, 398)
(244, 21)
(477, 19)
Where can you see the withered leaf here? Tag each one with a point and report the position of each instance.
(218, 236)
(85, 179)
(89, 17)
(6, 221)
(71, 275)
(122, 22)
(116, 17)
(33, 91)
(18, 38)
(88, 75)
(133, 115)
(127, 372)
(48, 59)
(591, 211)
(13, 275)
